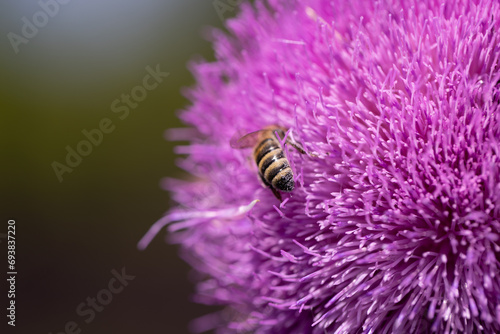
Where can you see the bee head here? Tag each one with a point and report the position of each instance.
(285, 183)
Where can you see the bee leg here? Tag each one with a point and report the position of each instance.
(276, 194)
(299, 148)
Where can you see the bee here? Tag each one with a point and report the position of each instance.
(274, 168)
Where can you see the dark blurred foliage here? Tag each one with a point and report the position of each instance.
(70, 235)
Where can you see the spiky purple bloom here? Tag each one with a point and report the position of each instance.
(394, 223)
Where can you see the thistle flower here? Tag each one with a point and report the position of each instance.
(393, 226)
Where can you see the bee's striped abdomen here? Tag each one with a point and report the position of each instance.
(274, 168)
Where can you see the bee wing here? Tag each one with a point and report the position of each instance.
(245, 141)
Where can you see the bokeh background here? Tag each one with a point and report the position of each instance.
(71, 234)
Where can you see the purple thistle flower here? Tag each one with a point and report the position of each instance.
(393, 226)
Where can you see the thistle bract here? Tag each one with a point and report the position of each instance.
(393, 225)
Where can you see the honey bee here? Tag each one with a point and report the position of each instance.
(274, 168)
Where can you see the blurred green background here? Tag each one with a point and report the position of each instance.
(70, 235)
